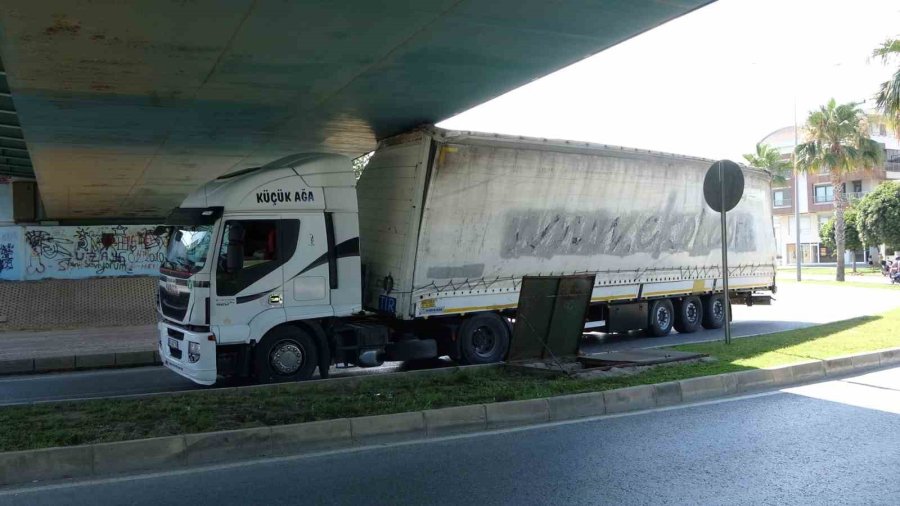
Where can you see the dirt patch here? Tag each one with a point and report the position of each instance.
(63, 25)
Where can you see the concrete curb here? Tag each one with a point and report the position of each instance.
(103, 459)
(79, 362)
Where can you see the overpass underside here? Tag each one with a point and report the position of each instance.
(127, 106)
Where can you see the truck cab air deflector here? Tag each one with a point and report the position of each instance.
(189, 216)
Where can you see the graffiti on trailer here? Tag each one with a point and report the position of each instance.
(100, 250)
(558, 232)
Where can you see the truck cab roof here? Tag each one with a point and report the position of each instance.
(300, 182)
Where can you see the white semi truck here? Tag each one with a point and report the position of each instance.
(277, 271)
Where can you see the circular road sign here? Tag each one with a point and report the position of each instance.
(731, 185)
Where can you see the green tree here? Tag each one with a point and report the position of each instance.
(852, 239)
(837, 142)
(767, 157)
(879, 215)
(888, 96)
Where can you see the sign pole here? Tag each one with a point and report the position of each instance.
(723, 187)
(723, 214)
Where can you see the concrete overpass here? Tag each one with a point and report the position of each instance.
(125, 106)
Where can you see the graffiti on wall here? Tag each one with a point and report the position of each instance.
(9, 253)
(92, 251)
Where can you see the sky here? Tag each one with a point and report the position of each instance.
(711, 83)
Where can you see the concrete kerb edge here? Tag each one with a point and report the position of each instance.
(40, 365)
(176, 451)
(17, 366)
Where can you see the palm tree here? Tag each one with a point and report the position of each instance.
(767, 157)
(888, 96)
(838, 143)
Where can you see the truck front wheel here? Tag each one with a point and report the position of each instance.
(285, 354)
(483, 339)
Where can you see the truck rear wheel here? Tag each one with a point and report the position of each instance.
(285, 354)
(713, 311)
(661, 316)
(483, 339)
(688, 314)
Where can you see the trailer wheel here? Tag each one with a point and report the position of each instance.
(285, 354)
(661, 317)
(483, 339)
(713, 311)
(688, 314)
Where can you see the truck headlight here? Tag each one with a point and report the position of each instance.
(193, 352)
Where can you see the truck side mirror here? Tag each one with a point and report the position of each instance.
(234, 260)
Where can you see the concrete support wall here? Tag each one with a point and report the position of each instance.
(6, 201)
(32, 253)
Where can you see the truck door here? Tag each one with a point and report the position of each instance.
(306, 273)
(249, 280)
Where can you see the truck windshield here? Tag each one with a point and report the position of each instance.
(187, 249)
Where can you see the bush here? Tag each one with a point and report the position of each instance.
(879, 215)
(852, 240)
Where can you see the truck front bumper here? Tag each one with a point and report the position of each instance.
(196, 363)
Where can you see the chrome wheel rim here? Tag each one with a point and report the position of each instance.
(286, 358)
(718, 310)
(692, 312)
(663, 318)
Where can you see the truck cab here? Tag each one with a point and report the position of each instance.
(250, 251)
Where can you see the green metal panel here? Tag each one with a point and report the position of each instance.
(572, 300)
(533, 317)
(550, 316)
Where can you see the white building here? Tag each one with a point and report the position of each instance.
(816, 198)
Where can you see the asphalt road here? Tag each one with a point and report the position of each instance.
(797, 306)
(836, 442)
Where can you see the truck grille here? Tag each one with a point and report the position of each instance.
(174, 305)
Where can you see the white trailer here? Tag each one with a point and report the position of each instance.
(283, 269)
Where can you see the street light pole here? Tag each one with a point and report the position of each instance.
(796, 194)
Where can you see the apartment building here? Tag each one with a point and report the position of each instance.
(816, 198)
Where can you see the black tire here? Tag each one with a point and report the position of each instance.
(688, 315)
(661, 317)
(285, 354)
(483, 339)
(713, 311)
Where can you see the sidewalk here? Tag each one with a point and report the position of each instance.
(24, 352)
(849, 276)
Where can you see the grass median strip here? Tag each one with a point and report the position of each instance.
(105, 420)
